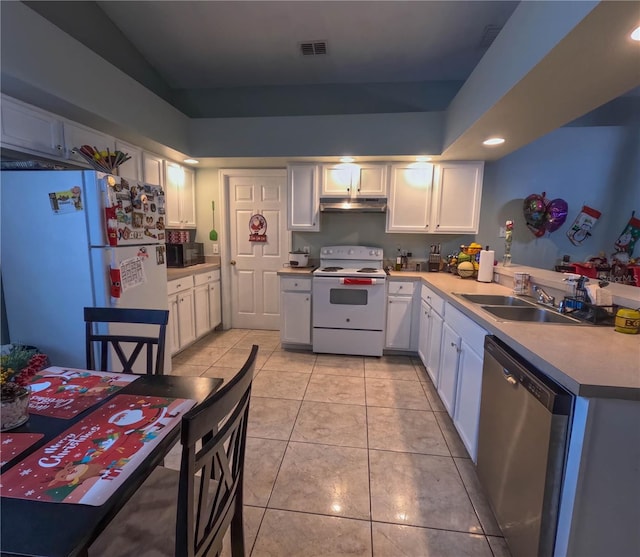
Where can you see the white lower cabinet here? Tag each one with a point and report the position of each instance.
(194, 308)
(201, 299)
(295, 310)
(173, 334)
(466, 415)
(186, 318)
(207, 299)
(215, 303)
(448, 367)
(460, 377)
(423, 340)
(399, 315)
(429, 343)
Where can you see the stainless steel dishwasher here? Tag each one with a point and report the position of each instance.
(524, 419)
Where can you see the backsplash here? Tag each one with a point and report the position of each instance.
(368, 229)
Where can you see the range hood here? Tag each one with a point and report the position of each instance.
(360, 205)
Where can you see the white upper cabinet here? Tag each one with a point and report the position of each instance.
(354, 180)
(75, 136)
(303, 202)
(189, 198)
(132, 169)
(152, 170)
(180, 196)
(409, 202)
(29, 128)
(456, 199)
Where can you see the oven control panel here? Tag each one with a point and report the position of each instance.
(351, 252)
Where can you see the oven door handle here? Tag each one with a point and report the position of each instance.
(357, 281)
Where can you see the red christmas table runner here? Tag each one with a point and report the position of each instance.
(90, 460)
(12, 444)
(64, 392)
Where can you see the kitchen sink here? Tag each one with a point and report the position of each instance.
(495, 300)
(531, 314)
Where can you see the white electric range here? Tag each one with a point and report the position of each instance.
(349, 301)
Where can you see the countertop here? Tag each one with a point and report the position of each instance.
(297, 270)
(588, 360)
(178, 273)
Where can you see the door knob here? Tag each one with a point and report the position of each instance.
(232, 262)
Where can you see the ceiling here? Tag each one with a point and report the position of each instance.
(218, 59)
(180, 49)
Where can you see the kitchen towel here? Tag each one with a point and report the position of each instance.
(485, 268)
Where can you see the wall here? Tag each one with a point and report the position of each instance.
(335, 228)
(594, 165)
(369, 229)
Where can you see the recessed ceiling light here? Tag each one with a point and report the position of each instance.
(347, 159)
(191, 161)
(423, 159)
(635, 34)
(493, 141)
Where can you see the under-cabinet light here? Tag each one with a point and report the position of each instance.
(635, 34)
(191, 161)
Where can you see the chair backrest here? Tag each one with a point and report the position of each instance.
(214, 437)
(133, 344)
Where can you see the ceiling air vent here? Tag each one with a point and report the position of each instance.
(489, 35)
(313, 48)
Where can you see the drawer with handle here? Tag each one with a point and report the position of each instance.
(177, 285)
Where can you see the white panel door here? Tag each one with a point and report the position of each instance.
(255, 291)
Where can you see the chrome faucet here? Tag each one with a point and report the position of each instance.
(543, 297)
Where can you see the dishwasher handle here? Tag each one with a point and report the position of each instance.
(517, 371)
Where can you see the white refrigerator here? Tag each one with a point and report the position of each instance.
(71, 239)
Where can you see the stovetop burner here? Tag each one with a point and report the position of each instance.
(367, 270)
(331, 269)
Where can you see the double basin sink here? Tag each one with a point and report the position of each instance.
(512, 308)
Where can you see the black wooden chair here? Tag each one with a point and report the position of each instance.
(126, 347)
(208, 487)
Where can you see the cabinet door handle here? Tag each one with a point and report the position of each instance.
(232, 262)
(306, 299)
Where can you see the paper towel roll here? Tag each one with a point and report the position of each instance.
(485, 269)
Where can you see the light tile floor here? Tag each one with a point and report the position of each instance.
(352, 456)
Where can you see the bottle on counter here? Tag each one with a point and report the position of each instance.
(399, 261)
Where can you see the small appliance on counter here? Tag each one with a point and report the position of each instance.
(433, 264)
(298, 258)
(185, 254)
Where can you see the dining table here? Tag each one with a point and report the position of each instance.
(64, 529)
